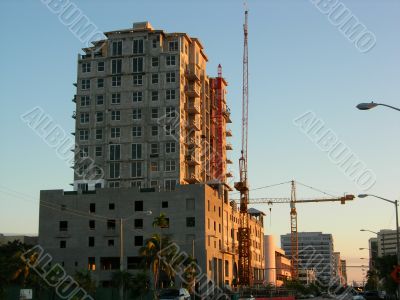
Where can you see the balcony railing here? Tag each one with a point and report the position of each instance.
(192, 178)
(192, 160)
(192, 90)
(193, 107)
(193, 124)
(228, 147)
(192, 72)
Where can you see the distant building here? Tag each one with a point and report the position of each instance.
(277, 264)
(373, 251)
(25, 239)
(344, 270)
(315, 252)
(387, 242)
(307, 276)
(339, 269)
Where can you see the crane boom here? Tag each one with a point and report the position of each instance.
(245, 274)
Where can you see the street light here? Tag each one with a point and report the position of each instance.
(397, 227)
(367, 106)
(121, 243)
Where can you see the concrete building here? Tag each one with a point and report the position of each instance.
(373, 251)
(339, 270)
(81, 230)
(147, 112)
(307, 276)
(343, 265)
(315, 252)
(277, 264)
(387, 242)
(150, 136)
(25, 239)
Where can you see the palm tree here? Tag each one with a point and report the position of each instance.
(161, 222)
(189, 273)
(140, 284)
(122, 280)
(85, 281)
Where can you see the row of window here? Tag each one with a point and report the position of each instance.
(136, 131)
(137, 114)
(137, 96)
(138, 46)
(137, 79)
(169, 184)
(137, 64)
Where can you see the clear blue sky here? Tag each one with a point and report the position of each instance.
(299, 62)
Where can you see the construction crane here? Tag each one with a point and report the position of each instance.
(245, 274)
(293, 219)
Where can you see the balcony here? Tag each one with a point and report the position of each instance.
(74, 99)
(193, 125)
(192, 73)
(229, 250)
(192, 178)
(74, 115)
(227, 115)
(228, 161)
(228, 147)
(229, 174)
(192, 90)
(192, 160)
(228, 132)
(192, 143)
(193, 107)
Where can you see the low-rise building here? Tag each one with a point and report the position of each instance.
(25, 239)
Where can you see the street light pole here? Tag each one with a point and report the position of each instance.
(395, 203)
(367, 106)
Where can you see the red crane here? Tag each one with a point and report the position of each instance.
(245, 274)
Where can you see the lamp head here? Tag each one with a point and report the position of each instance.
(366, 106)
(363, 195)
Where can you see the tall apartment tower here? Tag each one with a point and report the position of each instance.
(147, 115)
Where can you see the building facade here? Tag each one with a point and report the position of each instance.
(315, 252)
(25, 239)
(277, 264)
(82, 230)
(387, 242)
(147, 114)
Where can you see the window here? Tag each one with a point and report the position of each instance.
(138, 205)
(99, 151)
(63, 244)
(138, 223)
(173, 45)
(84, 118)
(170, 165)
(91, 263)
(115, 132)
(91, 241)
(170, 184)
(154, 166)
(100, 82)
(154, 78)
(85, 101)
(116, 66)
(136, 131)
(154, 95)
(98, 172)
(136, 184)
(154, 148)
(190, 222)
(190, 204)
(92, 207)
(63, 225)
(170, 94)
(136, 151)
(137, 64)
(138, 46)
(137, 96)
(117, 48)
(99, 116)
(111, 224)
(100, 66)
(170, 112)
(154, 113)
(137, 114)
(85, 84)
(164, 204)
(92, 224)
(137, 79)
(110, 243)
(170, 77)
(84, 135)
(116, 81)
(84, 151)
(154, 61)
(138, 240)
(99, 99)
(154, 43)
(99, 134)
(169, 130)
(171, 60)
(113, 184)
(114, 170)
(154, 183)
(136, 169)
(115, 115)
(116, 98)
(115, 152)
(170, 147)
(154, 130)
(86, 67)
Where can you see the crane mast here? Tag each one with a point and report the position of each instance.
(245, 274)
